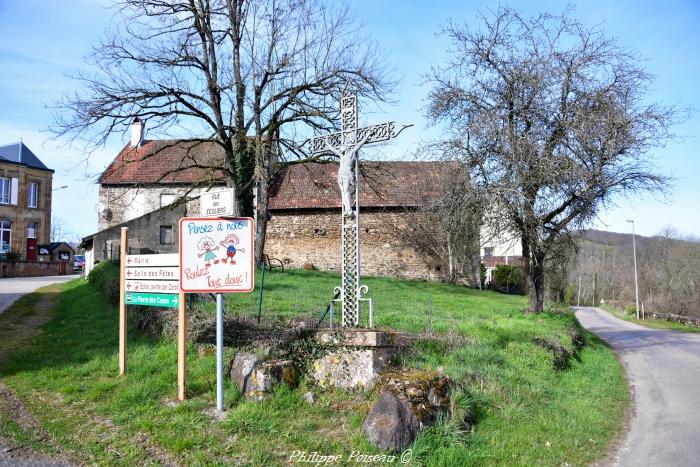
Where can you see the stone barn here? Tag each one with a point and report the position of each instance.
(305, 216)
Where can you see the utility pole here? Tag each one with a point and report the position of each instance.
(636, 283)
(578, 302)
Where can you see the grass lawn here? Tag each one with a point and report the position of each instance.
(650, 323)
(526, 411)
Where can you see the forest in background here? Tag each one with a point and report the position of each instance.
(668, 269)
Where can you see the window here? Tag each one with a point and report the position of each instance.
(31, 230)
(33, 194)
(4, 190)
(488, 251)
(5, 235)
(166, 235)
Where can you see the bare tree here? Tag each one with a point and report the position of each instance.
(247, 75)
(551, 116)
(449, 227)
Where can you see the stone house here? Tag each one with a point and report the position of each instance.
(25, 202)
(305, 210)
(153, 232)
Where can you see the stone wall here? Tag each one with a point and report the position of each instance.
(144, 235)
(34, 268)
(303, 237)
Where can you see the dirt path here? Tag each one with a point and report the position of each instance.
(18, 326)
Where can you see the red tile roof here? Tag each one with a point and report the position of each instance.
(383, 184)
(165, 161)
(300, 186)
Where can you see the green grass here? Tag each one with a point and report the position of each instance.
(527, 413)
(650, 323)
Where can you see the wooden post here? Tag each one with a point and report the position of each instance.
(122, 301)
(181, 347)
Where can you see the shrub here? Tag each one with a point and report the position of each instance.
(508, 279)
(569, 295)
(105, 277)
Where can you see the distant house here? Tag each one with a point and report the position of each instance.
(25, 202)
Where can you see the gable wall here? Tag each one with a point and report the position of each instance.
(128, 202)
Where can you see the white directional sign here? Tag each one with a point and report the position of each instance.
(216, 203)
(216, 254)
(152, 286)
(155, 273)
(152, 274)
(171, 259)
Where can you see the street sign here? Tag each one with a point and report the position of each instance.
(139, 285)
(152, 299)
(155, 273)
(216, 203)
(216, 254)
(171, 259)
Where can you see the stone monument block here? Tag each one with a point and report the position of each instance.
(354, 357)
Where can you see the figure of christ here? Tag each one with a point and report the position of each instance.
(346, 171)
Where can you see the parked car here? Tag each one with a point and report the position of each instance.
(79, 263)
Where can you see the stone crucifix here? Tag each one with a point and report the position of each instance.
(346, 144)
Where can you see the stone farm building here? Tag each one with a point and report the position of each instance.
(143, 187)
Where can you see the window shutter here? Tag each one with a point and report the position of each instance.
(14, 191)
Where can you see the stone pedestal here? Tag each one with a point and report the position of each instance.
(353, 358)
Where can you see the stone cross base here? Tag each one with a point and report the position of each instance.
(354, 357)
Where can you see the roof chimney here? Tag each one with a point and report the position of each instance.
(137, 128)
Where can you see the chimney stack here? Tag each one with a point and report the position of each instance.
(137, 128)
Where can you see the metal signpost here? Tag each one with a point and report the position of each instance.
(216, 256)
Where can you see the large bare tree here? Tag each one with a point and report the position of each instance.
(250, 76)
(553, 119)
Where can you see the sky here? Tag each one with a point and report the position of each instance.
(42, 42)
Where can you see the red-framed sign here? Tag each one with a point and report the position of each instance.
(216, 254)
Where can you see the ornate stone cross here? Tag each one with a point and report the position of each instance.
(345, 144)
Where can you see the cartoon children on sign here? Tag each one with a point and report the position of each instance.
(230, 242)
(207, 246)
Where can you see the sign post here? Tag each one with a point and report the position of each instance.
(216, 256)
(122, 301)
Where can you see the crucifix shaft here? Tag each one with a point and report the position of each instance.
(346, 144)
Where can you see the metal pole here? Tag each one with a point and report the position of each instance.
(262, 286)
(578, 303)
(220, 352)
(636, 283)
(357, 236)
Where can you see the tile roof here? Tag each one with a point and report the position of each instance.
(383, 184)
(310, 185)
(19, 153)
(165, 161)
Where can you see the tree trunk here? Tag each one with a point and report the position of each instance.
(262, 210)
(535, 272)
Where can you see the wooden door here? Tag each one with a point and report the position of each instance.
(31, 249)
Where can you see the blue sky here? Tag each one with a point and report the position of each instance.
(42, 40)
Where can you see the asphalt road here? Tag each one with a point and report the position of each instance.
(13, 288)
(664, 371)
